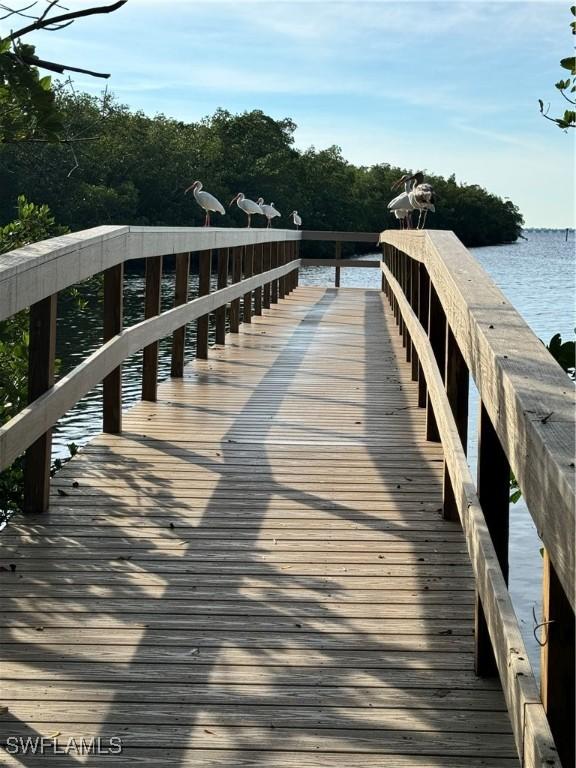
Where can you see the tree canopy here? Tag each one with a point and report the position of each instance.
(136, 169)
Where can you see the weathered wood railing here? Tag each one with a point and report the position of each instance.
(455, 322)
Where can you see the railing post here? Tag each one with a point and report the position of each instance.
(457, 378)
(400, 278)
(557, 662)
(414, 305)
(248, 271)
(266, 256)
(112, 384)
(281, 262)
(437, 336)
(41, 361)
(423, 309)
(204, 273)
(236, 278)
(274, 260)
(337, 255)
(408, 294)
(258, 260)
(220, 313)
(151, 308)
(297, 270)
(493, 486)
(383, 284)
(182, 268)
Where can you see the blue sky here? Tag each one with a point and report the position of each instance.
(447, 86)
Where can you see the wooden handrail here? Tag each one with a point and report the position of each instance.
(532, 733)
(36, 419)
(528, 397)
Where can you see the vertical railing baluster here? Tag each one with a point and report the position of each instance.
(258, 259)
(151, 308)
(493, 486)
(248, 272)
(220, 313)
(557, 662)
(281, 262)
(457, 378)
(266, 257)
(274, 260)
(423, 309)
(113, 314)
(407, 293)
(182, 269)
(437, 336)
(414, 305)
(41, 363)
(337, 255)
(202, 324)
(236, 278)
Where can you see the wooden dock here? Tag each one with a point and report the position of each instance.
(257, 571)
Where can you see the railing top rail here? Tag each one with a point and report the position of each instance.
(529, 398)
(32, 273)
(342, 237)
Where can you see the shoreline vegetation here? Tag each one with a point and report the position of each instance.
(126, 167)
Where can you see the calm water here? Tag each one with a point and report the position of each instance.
(537, 276)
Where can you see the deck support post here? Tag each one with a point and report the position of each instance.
(437, 336)
(182, 268)
(41, 362)
(557, 662)
(423, 308)
(414, 304)
(493, 487)
(266, 256)
(220, 313)
(257, 270)
(236, 278)
(112, 384)
(204, 273)
(337, 255)
(151, 308)
(248, 272)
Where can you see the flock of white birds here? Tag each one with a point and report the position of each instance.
(417, 196)
(210, 204)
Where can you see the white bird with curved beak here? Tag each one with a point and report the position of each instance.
(269, 211)
(205, 200)
(296, 220)
(248, 206)
(417, 195)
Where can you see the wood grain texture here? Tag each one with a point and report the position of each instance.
(531, 729)
(528, 397)
(257, 572)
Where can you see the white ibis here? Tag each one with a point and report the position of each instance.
(296, 220)
(403, 217)
(269, 211)
(248, 206)
(401, 206)
(422, 198)
(205, 200)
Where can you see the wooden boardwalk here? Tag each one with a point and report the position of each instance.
(257, 572)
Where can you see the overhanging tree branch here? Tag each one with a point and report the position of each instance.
(52, 66)
(43, 22)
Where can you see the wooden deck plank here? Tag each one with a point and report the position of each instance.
(256, 572)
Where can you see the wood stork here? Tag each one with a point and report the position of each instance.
(269, 211)
(248, 206)
(403, 217)
(205, 200)
(296, 220)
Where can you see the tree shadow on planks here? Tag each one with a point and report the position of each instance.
(280, 662)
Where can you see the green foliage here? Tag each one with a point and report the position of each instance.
(28, 107)
(565, 87)
(137, 170)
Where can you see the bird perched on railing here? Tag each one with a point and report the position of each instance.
(296, 220)
(248, 206)
(205, 200)
(269, 211)
(417, 195)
